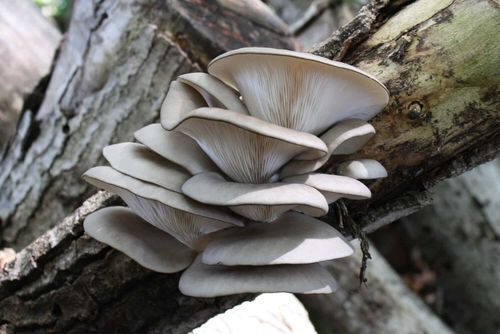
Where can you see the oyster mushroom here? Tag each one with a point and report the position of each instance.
(299, 90)
(247, 149)
(333, 187)
(188, 221)
(293, 238)
(202, 280)
(258, 202)
(152, 248)
(346, 137)
(176, 147)
(362, 169)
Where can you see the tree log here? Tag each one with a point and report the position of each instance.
(463, 227)
(443, 117)
(107, 112)
(27, 44)
(110, 79)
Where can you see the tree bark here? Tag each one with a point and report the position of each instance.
(27, 44)
(444, 112)
(110, 79)
(463, 227)
(89, 105)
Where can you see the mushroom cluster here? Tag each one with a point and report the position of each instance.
(226, 186)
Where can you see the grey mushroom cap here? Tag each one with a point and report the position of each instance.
(176, 147)
(188, 221)
(152, 248)
(207, 281)
(258, 202)
(245, 148)
(362, 169)
(293, 238)
(324, 91)
(333, 187)
(215, 93)
(345, 137)
(138, 161)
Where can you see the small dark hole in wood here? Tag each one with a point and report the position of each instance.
(56, 310)
(65, 128)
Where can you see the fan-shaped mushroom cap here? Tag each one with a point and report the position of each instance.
(182, 98)
(176, 147)
(299, 90)
(247, 149)
(292, 239)
(138, 161)
(333, 187)
(214, 91)
(152, 248)
(362, 169)
(188, 221)
(259, 202)
(345, 137)
(202, 280)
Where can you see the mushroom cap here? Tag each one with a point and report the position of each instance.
(293, 238)
(188, 221)
(299, 90)
(345, 137)
(201, 280)
(259, 202)
(122, 229)
(182, 98)
(245, 148)
(362, 169)
(176, 147)
(138, 161)
(215, 92)
(333, 187)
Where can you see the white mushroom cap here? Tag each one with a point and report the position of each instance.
(362, 169)
(299, 90)
(258, 202)
(214, 91)
(333, 187)
(345, 137)
(188, 221)
(293, 238)
(247, 149)
(152, 248)
(138, 161)
(201, 280)
(176, 147)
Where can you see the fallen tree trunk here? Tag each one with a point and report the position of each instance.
(463, 227)
(407, 154)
